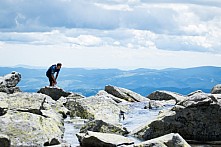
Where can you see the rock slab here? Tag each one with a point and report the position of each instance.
(169, 140)
(125, 94)
(54, 92)
(103, 127)
(95, 139)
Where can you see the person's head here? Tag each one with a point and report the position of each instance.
(59, 66)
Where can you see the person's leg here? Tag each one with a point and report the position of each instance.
(51, 81)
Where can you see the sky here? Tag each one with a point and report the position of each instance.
(124, 34)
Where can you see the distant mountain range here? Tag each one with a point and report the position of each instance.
(143, 81)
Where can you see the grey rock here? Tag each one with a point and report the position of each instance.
(116, 99)
(166, 95)
(95, 108)
(103, 127)
(216, 89)
(169, 140)
(95, 139)
(4, 141)
(125, 94)
(31, 119)
(196, 118)
(8, 82)
(54, 92)
(28, 129)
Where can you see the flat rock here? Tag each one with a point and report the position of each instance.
(169, 140)
(95, 139)
(125, 94)
(103, 127)
(54, 92)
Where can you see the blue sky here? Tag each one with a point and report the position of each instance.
(123, 34)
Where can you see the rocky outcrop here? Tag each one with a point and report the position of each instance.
(4, 141)
(95, 108)
(169, 140)
(166, 95)
(196, 118)
(95, 139)
(216, 89)
(54, 92)
(8, 82)
(103, 127)
(125, 94)
(31, 119)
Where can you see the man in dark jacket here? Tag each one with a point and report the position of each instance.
(50, 73)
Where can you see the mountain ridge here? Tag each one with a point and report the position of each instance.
(141, 80)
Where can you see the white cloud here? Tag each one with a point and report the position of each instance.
(151, 29)
(85, 40)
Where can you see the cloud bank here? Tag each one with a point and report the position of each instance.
(125, 26)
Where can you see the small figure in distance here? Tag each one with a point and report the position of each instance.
(50, 73)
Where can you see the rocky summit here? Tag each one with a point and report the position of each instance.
(37, 119)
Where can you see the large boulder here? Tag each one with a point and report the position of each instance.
(216, 89)
(103, 127)
(28, 129)
(196, 118)
(169, 140)
(54, 92)
(8, 82)
(166, 95)
(31, 119)
(125, 94)
(95, 139)
(95, 108)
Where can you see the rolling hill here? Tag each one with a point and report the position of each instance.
(143, 81)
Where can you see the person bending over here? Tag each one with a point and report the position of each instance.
(50, 73)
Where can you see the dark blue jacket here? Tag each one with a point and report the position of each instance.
(52, 70)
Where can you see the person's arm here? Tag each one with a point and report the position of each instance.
(56, 76)
(54, 79)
